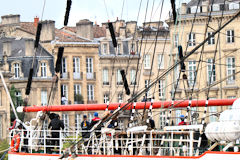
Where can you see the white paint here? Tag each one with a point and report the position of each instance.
(207, 156)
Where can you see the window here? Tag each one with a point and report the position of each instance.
(18, 95)
(230, 36)
(222, 7)
(76, 68)
(233, 6)
(66, 123)
(191, 72)
(146, 85)
(105, 77)
(64, 67)
(178, 114)
(44, 98)
(176, 72)
(162, 118)
(195, 9)
(119, 77)
(1, 127)
(211, 41)
(64, 94)
(147, 61)
(90, 117)
(119, 48)
(161, 89)
(160, 61)
(78, 121)
(133, 77)
(43, 70)
(89, 63)
(191, 39)
(104, 48)
(90, 92)
(231, 97)
(105, 98)
(231, 69)
(176, 40)
(0, 98)
(77, 94)
(120, 98)
(211, 71)
(132, 49)
(212, 112)
(215, 7)
(16, 70)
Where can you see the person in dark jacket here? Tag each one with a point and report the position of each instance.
(85, 126)
(94, 121)
(56, 124)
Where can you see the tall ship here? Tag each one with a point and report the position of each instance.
(127, 128)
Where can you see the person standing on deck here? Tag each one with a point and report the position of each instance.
(56, 124)
(85, 126)
(94, 121)
(182, 117)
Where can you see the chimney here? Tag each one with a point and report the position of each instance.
(184, 8)
(118, 24)
(85, 29)
(36, 20)
(108, 34)
(29, 47)
(122, 32)
(48, 31)
(131, 27)
(7, 49)
(11, 19)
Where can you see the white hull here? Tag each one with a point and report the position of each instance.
(205, 156)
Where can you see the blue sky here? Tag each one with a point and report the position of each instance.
(94, 10)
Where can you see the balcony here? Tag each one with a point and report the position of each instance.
(64, 75)
(105, 83)
(78, 76)
(91, 76)
(91, 102)
(119, 83)
(133, 83)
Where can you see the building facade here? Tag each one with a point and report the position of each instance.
(223, 47)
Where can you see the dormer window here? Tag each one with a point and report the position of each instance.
(16, 70)
(104, 48)
(215, 7)
(233, 6)
(194, 9)
(43, 70)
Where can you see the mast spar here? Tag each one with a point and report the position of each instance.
(139, 105)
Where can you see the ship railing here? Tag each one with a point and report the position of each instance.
(142, 143)
(110, 142)
(41, 141)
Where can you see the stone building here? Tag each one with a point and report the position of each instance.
(79, 74)
(17, 57)
(226, 49)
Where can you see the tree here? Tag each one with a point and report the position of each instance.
(78, 99)
(17, 101)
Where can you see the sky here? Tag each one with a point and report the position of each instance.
(95, 10)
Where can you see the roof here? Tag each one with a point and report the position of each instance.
(97, 30)
(60, 35)
(18, 54)
(195, 2)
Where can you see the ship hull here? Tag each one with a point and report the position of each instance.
(205, 156)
